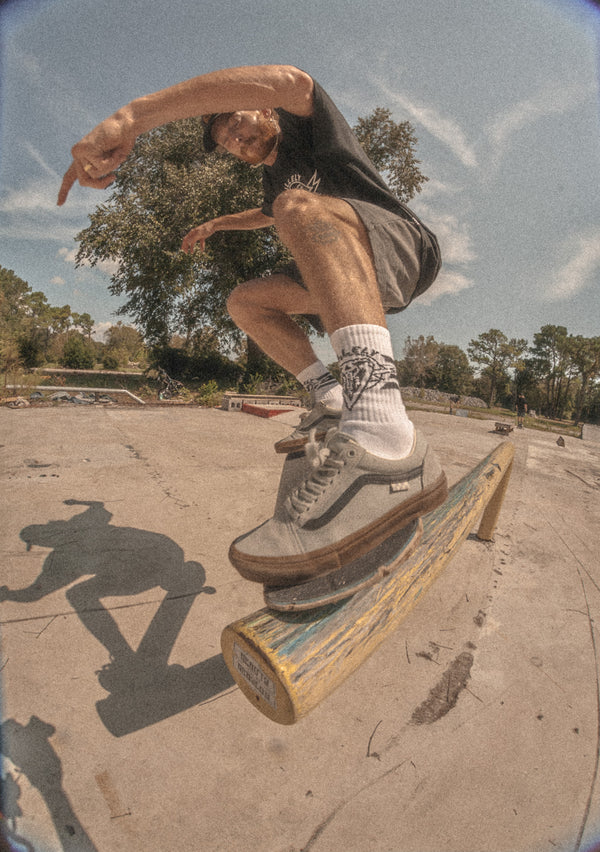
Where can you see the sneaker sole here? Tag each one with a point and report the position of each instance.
(379, 563)
(285, 570)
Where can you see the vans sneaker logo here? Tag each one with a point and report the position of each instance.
(399, 486)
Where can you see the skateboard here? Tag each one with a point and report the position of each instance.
(357, 575)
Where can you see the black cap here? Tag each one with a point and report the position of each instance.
(209, 142)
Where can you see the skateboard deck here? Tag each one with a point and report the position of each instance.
(352, 578)
(286, 663)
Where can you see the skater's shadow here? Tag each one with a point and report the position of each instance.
(124, 561)
(28, 747)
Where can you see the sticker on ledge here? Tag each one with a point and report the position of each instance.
(254, 675)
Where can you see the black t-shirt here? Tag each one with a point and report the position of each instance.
(322, 154)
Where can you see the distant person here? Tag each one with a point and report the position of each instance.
(359, 253)
(521, 410)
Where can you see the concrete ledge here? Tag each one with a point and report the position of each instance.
(235, 401)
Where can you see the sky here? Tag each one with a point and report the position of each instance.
(503, 98)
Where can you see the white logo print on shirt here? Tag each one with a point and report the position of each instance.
(296, 182)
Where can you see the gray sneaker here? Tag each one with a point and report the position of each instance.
(349, 504)
(321, 418)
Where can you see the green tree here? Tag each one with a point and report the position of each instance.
(36, 331)
(84, 323)
(584, 354)
(452, 372)
(126, 341)
(30, 328)
(495, 354)
(23, 321)
(13, 300)
(391, 147)
(420, 356)
(550, 359)
(592, 406)
(60, 319)
(10, 357)
(78, 353)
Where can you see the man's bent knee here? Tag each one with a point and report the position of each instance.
(240, 301)
(273, 293)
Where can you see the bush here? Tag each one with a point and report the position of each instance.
(110, 361)
(77, 354)
(30, 352)
(209, 395)
(207, 366)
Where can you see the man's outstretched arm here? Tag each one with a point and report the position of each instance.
(247, 220)
(101, 152)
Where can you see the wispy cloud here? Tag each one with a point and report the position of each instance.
(39, 196)
(29, 212)
(109, 267)
(31, 199)
(448, 282)
(50, 90)
(66, 254)
(435, 188)
(553, 99)
(35, 155)
(458, 252)
(579, 265)
(447, 130)
(454, 237)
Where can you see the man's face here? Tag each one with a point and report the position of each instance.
(247, 134)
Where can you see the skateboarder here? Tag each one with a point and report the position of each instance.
(521, 410)
(359, 253)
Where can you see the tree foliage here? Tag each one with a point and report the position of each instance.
(452, 372)
(33, 332)
(494, 353)
(559, 373)
(420, 358)
(27, 321)
(391, 147)
(78, 353)
(585, 358)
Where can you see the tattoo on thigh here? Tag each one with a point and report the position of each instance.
(323, 233)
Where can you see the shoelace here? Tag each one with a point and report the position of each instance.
(326, 466)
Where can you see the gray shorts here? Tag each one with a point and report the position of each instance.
(396, 245)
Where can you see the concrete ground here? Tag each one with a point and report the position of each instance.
(474, 727)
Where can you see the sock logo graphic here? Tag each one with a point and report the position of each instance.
(313, 385)
(363, 370)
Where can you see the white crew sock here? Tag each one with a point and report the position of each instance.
(373, 414)
(323, 386)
